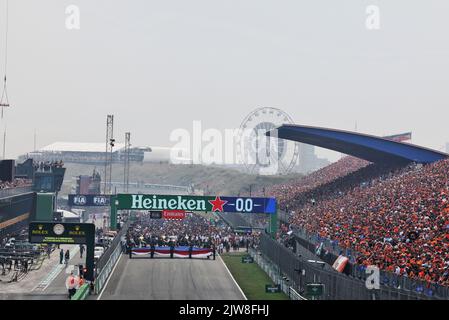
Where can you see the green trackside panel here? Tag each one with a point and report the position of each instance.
(44, 206)
(273, 225)
(113, 215)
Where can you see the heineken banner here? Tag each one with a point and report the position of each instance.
(195, 203)
(88, 200)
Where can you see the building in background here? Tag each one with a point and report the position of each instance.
(308, 161)
(401, 137)
(89, 184)
(19, 201)
(85, 153)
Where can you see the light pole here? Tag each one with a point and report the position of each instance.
(109, 138)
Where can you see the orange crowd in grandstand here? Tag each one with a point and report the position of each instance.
(397, 220)
(285, 193)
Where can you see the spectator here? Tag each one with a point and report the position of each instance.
(396, 218)
(81, 251)
(71, 284)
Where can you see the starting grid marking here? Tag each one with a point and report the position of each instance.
(56, 270)
(51, 276)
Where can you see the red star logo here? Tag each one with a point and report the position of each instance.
(217, 204)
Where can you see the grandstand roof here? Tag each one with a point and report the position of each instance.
(364, 146)
(79, 147)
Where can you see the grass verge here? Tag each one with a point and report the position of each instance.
(251, 278)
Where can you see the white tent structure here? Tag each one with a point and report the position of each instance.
(68, 216)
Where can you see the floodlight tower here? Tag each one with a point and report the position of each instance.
(110, 142)
(126, 162)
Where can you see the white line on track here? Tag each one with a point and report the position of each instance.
(240, 289)
(44, 284)
(109, 277)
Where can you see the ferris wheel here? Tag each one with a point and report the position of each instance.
(262, 154)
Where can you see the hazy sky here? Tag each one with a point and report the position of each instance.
(159, 65)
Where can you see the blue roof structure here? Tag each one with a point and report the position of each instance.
(371, 148)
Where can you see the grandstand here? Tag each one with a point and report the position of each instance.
(86, 153)
(94, 153)
(389, 209)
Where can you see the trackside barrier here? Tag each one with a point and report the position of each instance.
(294, 295)
(108, 260)
(81, 293)
(274, 274)
(101, 263)
(101, 279)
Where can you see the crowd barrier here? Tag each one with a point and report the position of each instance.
(103, 276)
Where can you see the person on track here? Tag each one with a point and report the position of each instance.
(81, 251)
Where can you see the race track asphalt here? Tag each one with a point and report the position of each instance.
(170, 279)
